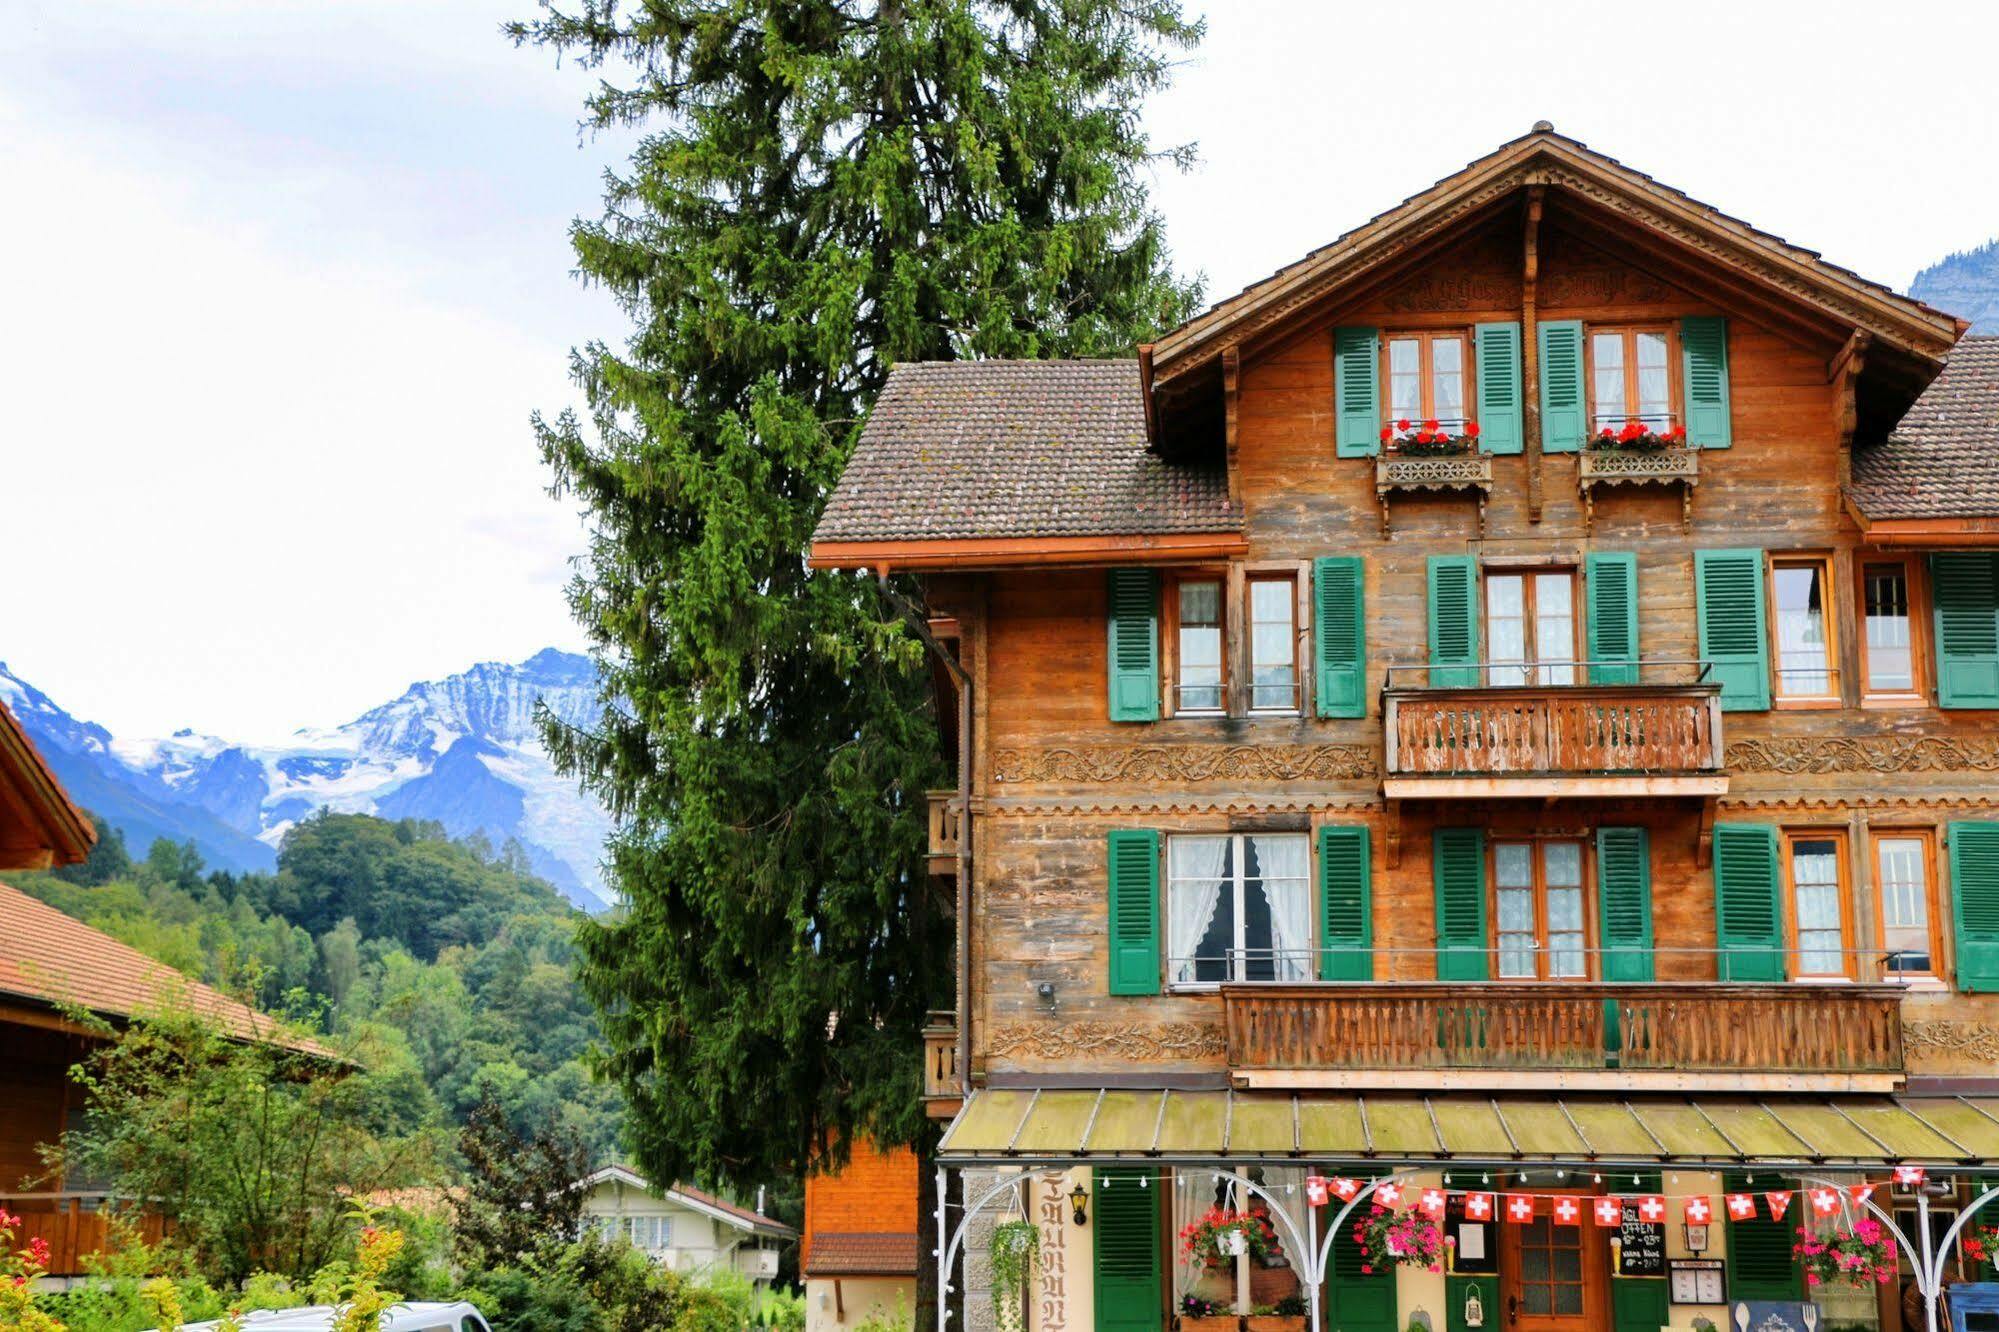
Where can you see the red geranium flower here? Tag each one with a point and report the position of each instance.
(1471, 429)
(1679, 432)
(1403, 424)
(1422, 437)
(1430, 425)
(1385, 433)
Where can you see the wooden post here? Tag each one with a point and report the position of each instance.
(1530, 351)
(1843, 373)
(1231, 396)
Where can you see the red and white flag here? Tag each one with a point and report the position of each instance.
(1520, 1207)
(1780, 1203)
(1699, 1212)
(1346, 1190)
(1860, 1193)
(1478, 1207)
(1388, 1194)
(1609, 1212)
(1568, 1212)
(1315, 1190)
(1432, 1204)
(1909, 1176)
(1825, 1202)
(1652, 1208)
(1742, 1207)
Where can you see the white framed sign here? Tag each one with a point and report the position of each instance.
(1696, 1281)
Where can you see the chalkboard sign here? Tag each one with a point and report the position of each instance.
(1475, 1251)
(1641, 1249)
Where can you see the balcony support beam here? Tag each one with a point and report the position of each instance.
(1552, 788)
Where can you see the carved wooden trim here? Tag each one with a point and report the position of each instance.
(1186, 763)
(1799, 756)
(1964, 1040)
(1235, 803)
(1132, 1042)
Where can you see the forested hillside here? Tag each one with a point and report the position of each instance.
(457, 952)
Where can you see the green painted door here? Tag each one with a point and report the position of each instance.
(1131, 1295)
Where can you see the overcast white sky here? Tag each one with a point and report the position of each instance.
(280, 282)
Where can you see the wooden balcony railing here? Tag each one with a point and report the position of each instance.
(1661, 1036)
(946, 827)
(943, 1088)
(1576, 730)
(75, 1224)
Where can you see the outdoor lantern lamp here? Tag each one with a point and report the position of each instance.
(1696, 1239)
(1079, 1197)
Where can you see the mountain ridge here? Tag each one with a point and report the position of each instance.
(1965, 284)
(462, 750)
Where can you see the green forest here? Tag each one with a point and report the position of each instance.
(449, 951)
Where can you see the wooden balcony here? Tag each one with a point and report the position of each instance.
(946, 827)
(1599, 468)
(943, 1088)
(1402, 473)
(75, 1224)
(1631, 1037)
(1553, 740)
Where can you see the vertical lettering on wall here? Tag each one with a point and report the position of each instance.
(1052, 1308)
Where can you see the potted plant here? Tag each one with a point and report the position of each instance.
(1860, 1256)
(1015, 1249)
(1223, 1234)
(1287, 1315)
(1637, 437)
(1428, 439)
(1201, 1315)
(1389, 1239)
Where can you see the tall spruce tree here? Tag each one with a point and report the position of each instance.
(824, 188)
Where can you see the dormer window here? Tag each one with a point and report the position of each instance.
(1631, 378)
(1428, 377)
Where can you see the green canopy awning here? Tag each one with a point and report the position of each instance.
(1004, 1125)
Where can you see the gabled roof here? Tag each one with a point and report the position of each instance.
(39, 827)
(49, 961)
(1565, 166)
(1011, 450)
(861, 1254)
(742, 1218)
(1942, 459)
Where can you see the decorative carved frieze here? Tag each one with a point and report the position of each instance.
(1952, 1040)
(1133, 1042)
(1186, 763)
(1801, 755)
(1602, 286)
(1456, 290)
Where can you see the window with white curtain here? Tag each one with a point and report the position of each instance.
(1239, 907)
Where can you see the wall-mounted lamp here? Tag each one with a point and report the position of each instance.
(1696, 1239)
(1079, 1199)
(1046, 993)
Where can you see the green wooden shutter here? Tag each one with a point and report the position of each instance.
(1564, 407)
(1457, 863)
(1454, 621)
(1357, 392)
(1134, 911)
(1748, 918)
(1760, 1266)
(1134, 645)
(1974, 894)
(1734, 632)
(1339, 635)
(1130, 1293)
(1624, 902)
(1704, 365)
(1346, 907)
(1639, 1304)
(1357, 1301)
(1964, 588)
(1611, 587)
(1500, 426)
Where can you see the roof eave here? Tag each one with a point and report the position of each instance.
(975, 553)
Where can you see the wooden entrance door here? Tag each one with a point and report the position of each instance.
(1551, 1278)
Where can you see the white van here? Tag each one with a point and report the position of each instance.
(459, 1317)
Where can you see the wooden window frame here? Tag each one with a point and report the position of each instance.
(1676, 405)
(1169, 646)
(1788, 890)
(1578, 628)
(1238, 834)
(1586, 870)
(1425, 372)
(1913, 567)
(1833, 697)
(1300, 630)
(1932, 905)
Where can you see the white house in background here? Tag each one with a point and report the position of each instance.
(682, 1228)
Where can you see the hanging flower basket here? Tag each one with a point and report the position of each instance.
(1390, 1239)
(1428, 439)
(1223, 1235)
(1861, 1256)
(1016, 1248)
(1981, 1249)
(1637, 437)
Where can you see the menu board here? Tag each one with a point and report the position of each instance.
(1641, 1247)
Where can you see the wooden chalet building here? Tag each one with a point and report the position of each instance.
(1381, 758)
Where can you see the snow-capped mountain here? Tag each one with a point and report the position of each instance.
(463, 751)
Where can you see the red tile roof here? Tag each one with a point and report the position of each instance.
(743, 1213)
(1942, 459)
(861, 1255)
(49, 959)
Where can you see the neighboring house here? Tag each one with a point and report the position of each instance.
(859, 1253)
(683, 1229)
(1373, 770)
(50, 963)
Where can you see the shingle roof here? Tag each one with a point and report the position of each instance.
(861, 1255)
(994, 449)
(1942, 459)
(51, 959)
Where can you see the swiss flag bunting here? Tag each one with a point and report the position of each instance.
(1609, 1212)
(1389, 1194)
(1432, 1204)
(1825, 1202)
(1652, 1209)
(1520, 1207)
(1315, 1190)
(1478, 1207)
(1346, 1190)
(1780, 1203)
(1741, 1207)
(1699, 1212)
(1860, 1193)
(1909, 1176)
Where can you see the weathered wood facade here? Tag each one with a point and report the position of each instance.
(1693, 830)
